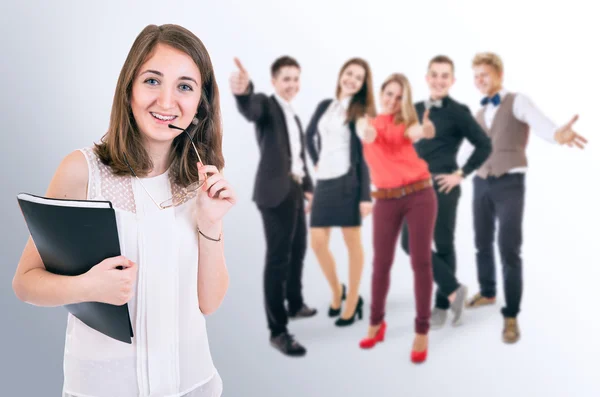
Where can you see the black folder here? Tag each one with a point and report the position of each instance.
(72, 236)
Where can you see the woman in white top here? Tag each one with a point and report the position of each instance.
(169, 197)
(342, 193)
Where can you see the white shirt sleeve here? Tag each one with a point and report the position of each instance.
(526, 111)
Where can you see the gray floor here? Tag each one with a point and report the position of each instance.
(557, 355)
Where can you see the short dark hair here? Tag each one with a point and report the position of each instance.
(441, 59)
(281, 62)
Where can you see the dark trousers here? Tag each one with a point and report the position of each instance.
(500, 199)
(444, 256)
(419, 210)
(285, 231)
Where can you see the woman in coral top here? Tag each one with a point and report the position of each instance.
(403, 191)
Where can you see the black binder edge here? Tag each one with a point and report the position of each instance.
(110, 205)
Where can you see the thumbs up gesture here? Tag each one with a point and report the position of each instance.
(428, 127)
(417, 131)
(239, 80)
(365, 129)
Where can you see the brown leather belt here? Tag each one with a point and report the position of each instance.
(402, 191)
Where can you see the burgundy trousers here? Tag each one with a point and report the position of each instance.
(419, 209)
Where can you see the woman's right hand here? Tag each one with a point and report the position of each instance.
(108, 284)
(365, 129)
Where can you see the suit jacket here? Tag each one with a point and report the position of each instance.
(273, 176)
(359, 169)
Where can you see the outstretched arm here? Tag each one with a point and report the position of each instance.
(525, 110)
(252, 106)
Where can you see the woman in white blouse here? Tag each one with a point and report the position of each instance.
(342, 193)
(169, 198)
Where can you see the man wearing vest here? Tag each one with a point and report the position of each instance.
(499, 184)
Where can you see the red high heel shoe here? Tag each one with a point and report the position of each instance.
(368, 343)
(418, 357)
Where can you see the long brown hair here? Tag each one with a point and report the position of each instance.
(363, 102)
(123, 138)
(407, 113)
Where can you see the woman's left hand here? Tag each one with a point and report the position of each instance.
(365, 208)
(428, 126)
(417, 131)
(215, 197)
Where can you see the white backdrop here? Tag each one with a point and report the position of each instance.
(60, 62)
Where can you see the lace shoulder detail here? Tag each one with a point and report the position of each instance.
(93, 188)
(104, 185)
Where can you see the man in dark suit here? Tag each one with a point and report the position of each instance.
(281, 185)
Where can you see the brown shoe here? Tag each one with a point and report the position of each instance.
(510, 333)
(480, 300)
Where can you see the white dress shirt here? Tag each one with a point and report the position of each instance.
(334, 133)
(525, 111)
(294, 137)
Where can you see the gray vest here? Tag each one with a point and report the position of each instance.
(509, 138)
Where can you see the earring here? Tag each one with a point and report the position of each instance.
(195, 121)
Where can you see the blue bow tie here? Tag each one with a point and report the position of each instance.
(495, 100)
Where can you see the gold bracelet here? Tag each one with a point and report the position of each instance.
(209, 238)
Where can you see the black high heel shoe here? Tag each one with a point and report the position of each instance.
(336, 312)
(341, 322)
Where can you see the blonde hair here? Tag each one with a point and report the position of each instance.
(407, 113)
(489, 58)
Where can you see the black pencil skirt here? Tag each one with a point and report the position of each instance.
(336, 202)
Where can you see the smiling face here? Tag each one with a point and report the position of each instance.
(166, 90)
(440, 78)
(487, 79)
(351, 80)
(287, 82)
(391, 98)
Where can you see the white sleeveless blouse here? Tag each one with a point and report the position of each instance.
(169, 355)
